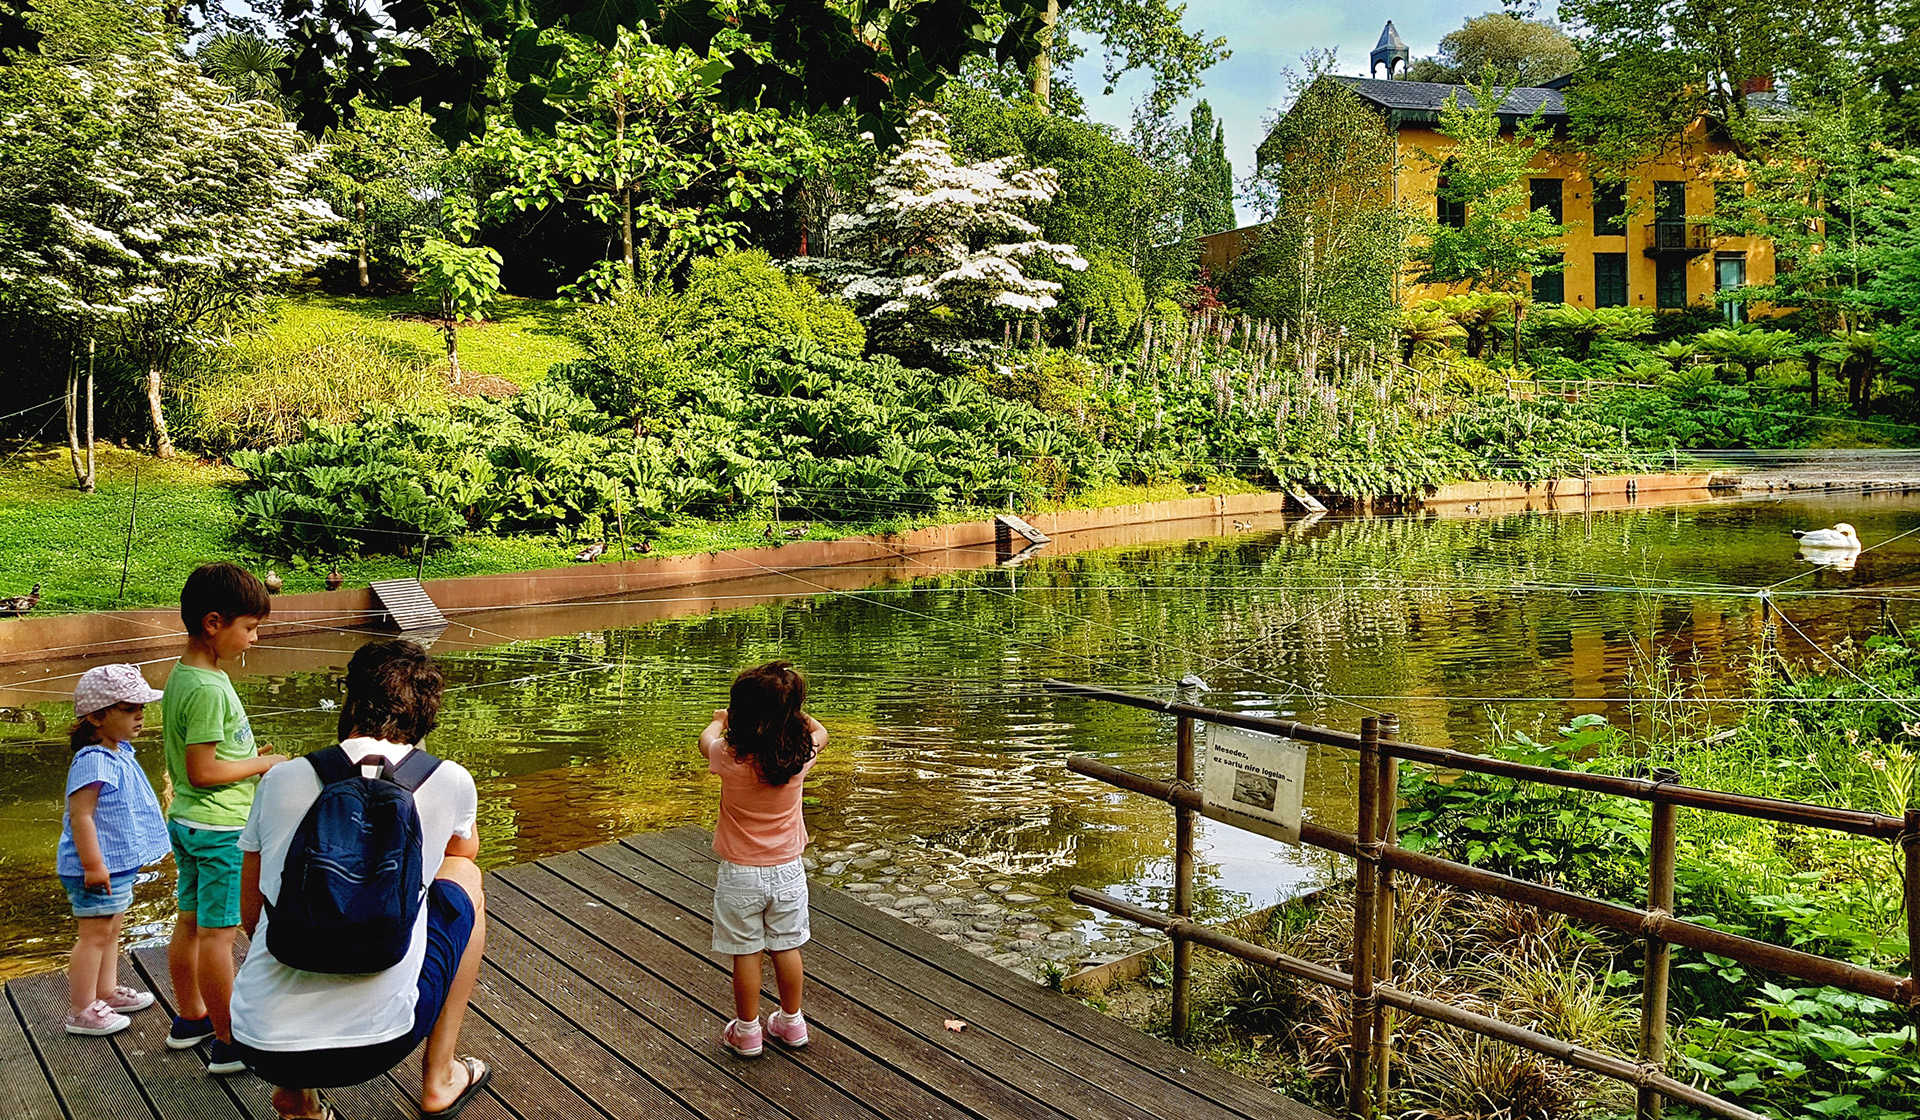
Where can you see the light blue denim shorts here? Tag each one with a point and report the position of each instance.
(757, 908)
(101, 903)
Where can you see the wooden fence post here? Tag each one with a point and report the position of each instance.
(1659, 954)
(1182, 879)
(1385, 918)
(1910, 848)
(1366, 876)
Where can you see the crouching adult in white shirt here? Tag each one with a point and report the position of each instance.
(306, 1031)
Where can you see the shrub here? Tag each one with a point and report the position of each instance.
(638, 368)
(1109, 294)
(257, 392)
(739, 302)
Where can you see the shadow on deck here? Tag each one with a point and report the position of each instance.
(601, 997)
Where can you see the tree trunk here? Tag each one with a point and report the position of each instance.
(1043, 62)
(360, 217)
(73, 419)
(86, 484)
(162, 446)
(620, 179)
(1813, 385)
(453, 349)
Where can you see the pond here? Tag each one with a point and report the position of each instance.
(945, 795)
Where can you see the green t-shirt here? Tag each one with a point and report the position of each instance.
(202, 707)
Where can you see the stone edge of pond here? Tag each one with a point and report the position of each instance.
(99, 636)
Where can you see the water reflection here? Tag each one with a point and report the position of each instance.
(947, 756)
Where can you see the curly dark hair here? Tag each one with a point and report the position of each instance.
(393, 693)
(764, 724)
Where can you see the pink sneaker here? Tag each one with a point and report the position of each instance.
(788, 1032)
(97, 1019)
(742, 1038)
(125, 1000)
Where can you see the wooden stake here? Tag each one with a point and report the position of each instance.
(1182, 878)
(1366, 879)
(1659, 954)
(1385, 916)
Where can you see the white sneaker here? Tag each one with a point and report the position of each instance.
(97, 1019)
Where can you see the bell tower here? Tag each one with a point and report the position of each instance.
(1391, 49)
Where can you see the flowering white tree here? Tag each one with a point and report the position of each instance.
(944, 235)
(157, 209)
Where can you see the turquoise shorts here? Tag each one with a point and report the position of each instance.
(209, 863)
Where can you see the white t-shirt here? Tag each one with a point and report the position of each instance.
(280, 1008)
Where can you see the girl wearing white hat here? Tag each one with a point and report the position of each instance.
(113, 828)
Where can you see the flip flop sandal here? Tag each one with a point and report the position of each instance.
(478, 1074)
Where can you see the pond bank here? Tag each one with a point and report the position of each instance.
(86, 638)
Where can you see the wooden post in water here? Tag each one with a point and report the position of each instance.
(1182, 878)
(1366, 876)
(1384, 912)
(1659, 954)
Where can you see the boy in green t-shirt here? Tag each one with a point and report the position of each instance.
(213, 767)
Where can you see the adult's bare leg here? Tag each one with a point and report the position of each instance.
(444, 1076)
(213, 961)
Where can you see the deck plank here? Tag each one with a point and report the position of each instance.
(25, 1091)
(86, 1072)
(652, 1024)
(942, 1065)
(1126, 1049)
(600, 998)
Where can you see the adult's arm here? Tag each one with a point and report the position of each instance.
(251, 900)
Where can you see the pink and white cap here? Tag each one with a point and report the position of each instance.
(106, 685)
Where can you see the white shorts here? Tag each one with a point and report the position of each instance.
(757, 908)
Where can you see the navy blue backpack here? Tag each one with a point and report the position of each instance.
(353, 882)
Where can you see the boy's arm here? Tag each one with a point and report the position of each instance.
(81, 804)
(204, 768)
(251, 900)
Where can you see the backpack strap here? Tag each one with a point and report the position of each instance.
(414, 769)
(333, 765)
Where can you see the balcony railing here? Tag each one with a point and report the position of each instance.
(1689, 238)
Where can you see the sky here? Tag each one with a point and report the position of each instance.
(1267, 38)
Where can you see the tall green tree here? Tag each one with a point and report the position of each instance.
(1334, 240)
(1209, 206)
(386, 176)
(650, 149)
(1134, 35)
(1522, 52)
(1500, 242)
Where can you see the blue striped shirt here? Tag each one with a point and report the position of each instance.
(127, 819)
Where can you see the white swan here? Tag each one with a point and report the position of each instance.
(1839, 538)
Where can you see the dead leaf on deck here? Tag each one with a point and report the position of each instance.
(956, 1025)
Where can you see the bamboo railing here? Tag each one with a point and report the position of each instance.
(1378, 859)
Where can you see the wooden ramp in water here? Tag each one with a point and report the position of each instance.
(601, 997)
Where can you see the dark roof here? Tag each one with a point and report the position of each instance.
(1412, 100)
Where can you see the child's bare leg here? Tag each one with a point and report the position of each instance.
(109, 978)
(746, 987)
(788, 977)
(183, 966)
(213, 963)
(83, 968)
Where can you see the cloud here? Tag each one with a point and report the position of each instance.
(1267, 38)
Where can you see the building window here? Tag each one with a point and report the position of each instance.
(1730, 273)
(1609, 209)
(1670, 282)
(1449, 211)
(1545, 193)
(1550, 287)
(1609, 279)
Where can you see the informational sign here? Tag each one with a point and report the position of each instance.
(1254, 781)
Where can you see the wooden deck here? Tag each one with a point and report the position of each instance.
(601, 997)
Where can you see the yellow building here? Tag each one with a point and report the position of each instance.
(1639, 243)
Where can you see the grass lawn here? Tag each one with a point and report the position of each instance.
(72, 543)
(518, 340)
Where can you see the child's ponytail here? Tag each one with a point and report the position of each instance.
(764, 724)
(84, 733)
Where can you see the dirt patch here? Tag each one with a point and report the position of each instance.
(484, 385)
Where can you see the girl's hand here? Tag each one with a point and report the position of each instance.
(720, 716)
(97, 878)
